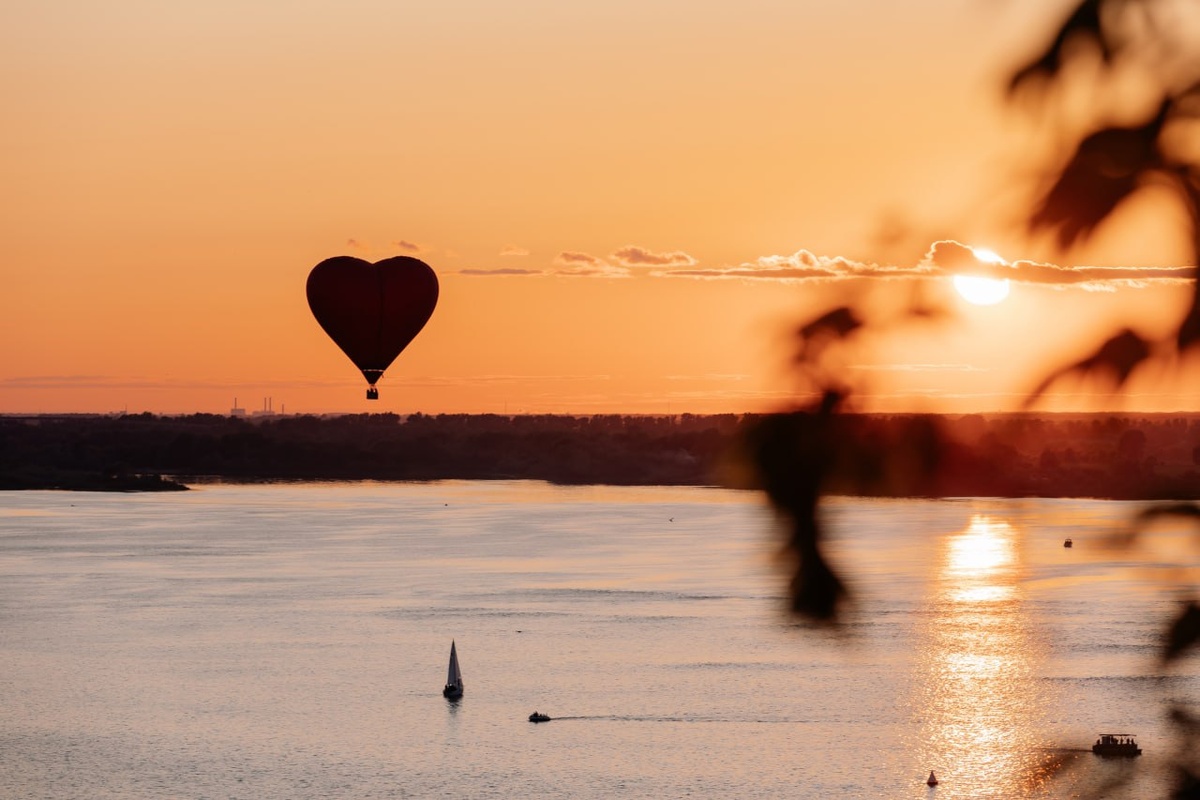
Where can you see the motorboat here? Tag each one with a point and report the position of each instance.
(537, 716)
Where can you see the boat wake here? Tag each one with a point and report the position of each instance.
(650, 718)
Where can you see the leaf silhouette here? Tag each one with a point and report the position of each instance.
(1106, 168)
(1183, 632)
(1188, 511)
(1083, 23)
(794, 454)
(839, 323)
(815, 336)
(1114, 361)
(1189, 327)
(1187, 784)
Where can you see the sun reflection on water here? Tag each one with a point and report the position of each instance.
(980, 564)
(978, 695)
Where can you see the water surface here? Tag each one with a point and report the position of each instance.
(291, 642)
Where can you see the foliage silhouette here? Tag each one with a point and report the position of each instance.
(799, 455)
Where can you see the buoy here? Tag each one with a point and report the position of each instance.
(932, 779)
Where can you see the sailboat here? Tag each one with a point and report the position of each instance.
(454, 681)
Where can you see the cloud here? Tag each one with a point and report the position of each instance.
(800, 266)
(749, 272)
(499, 380)
(573, 264)
(404, 246)
(712, 376)
(918, 368)
(944, 258)
(578, 264)
(573, 259)
(67, 382)
(631, 256)
(604, 271)
(502, 271)
(951, 257)
(1097, 277)
(567, 264)
(76, 382)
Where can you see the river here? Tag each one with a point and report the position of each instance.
(291, 641)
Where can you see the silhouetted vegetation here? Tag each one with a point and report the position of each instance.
(1107, 155)
(60, 452)
(1016, 455)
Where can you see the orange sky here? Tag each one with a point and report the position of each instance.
(173, 171)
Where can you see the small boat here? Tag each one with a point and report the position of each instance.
(933, 781)
(454, 681)
(1116, 745)
(539, 717)
(1068, 543)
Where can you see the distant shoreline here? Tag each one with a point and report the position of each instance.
(87, 482)
(1113, 456)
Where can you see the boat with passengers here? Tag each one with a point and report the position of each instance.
(1117, 745)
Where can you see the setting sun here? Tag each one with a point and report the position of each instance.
(987, 256)
(981, 291)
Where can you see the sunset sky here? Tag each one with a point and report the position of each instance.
(628, 204)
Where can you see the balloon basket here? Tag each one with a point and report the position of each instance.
(372, 393)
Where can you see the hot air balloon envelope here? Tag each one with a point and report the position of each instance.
(372, 311)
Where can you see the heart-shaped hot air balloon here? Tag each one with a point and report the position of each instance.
(372, 311)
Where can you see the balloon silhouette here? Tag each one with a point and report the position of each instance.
(372, 311)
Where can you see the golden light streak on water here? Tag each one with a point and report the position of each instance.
(978, 694)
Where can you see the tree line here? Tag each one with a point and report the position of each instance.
(1013, 455)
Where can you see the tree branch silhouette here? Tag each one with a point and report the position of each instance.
(801, 456)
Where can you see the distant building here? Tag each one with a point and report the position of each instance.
(236, 411)
(268, 409)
